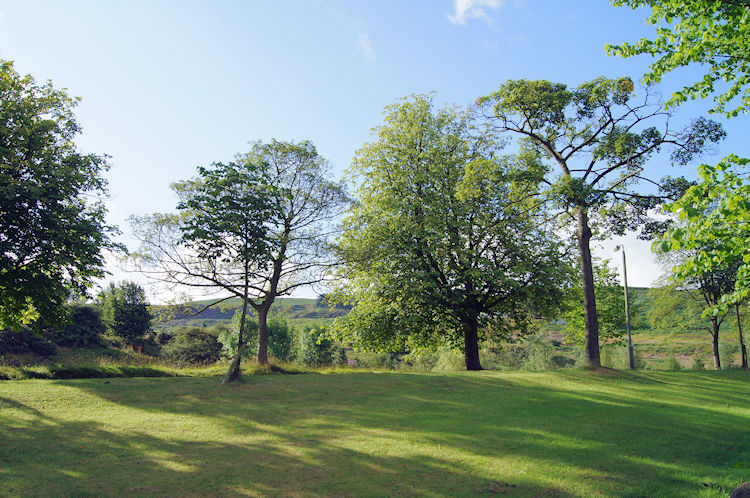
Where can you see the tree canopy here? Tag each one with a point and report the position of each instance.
(256, 228)
(52, 219)
(600, 137)
(125, 311)
(713, 34)
(445, 236)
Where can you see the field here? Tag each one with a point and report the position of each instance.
(559, 433)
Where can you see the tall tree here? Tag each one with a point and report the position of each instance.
(256, 228)
(445, 236)
(52, 226)
(600, 139)
(216, 241)
(125, 311)
(307, 206)
(713, 34)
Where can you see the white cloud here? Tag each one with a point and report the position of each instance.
(473, 9)
(364, 46)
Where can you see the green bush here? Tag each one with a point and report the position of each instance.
(540, 352)
(369, 359)
(728, 352)
(192, 345)
(82, 330)
(698, 363)
(280, 340)
(449, 359)
(314, 350)
(673, 363)
(25, 341)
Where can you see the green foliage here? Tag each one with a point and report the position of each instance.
(125, 311)
(280, 340)
(715, 230)
(610, 305)
(698, 363)
(673, 363)
(83, 328)
(52, 219)
(224, 210)
(444, 236)
(192, 345)
(25, 340)
(600, 139)
(372, 359)
(313, 349)
(712, 34)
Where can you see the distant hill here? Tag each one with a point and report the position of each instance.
(291, 308)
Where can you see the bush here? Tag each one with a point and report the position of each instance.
(673, 363)
(540, 352)
(698, 364)
(192, 345)
(83, 328)
(728, 352)
(369, 359)
(449, 359)
(314, 350)
(25, 341)
(280, 340)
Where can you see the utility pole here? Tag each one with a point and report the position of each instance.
(631, 360)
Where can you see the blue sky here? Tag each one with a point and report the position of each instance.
(169, 85)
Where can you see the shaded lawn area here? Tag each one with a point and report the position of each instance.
(559, 433)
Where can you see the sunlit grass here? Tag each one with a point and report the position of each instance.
(563, 433)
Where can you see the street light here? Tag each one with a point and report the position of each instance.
(631, 360)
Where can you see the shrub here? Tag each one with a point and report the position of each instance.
(25, 341)
(83, 328)
(728, 352)
(370, 359)
(539, 353)
(313, 349)
(192, 345)
(280, 340)
(673, 363)
(698, 363)
(449, 359)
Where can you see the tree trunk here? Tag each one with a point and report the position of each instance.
(263, 335)
(743, 350)
(715, 341)
(591, 318)
(234, 374)
(471, 344)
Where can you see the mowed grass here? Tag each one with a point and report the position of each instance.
(558, 433)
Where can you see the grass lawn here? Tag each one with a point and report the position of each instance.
(558, 433)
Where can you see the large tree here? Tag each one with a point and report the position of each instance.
(125, 311)
(599, 137)
(714, 34)
(256, 228)
(445, 236)
(52, 220)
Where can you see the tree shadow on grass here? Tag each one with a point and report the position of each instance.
(376, 434)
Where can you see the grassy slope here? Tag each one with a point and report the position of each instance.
(468, 434)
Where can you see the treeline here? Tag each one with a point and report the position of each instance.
(449, 237)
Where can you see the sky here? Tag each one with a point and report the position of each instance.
(167, 86)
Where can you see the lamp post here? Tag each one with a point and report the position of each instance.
(631, 360)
